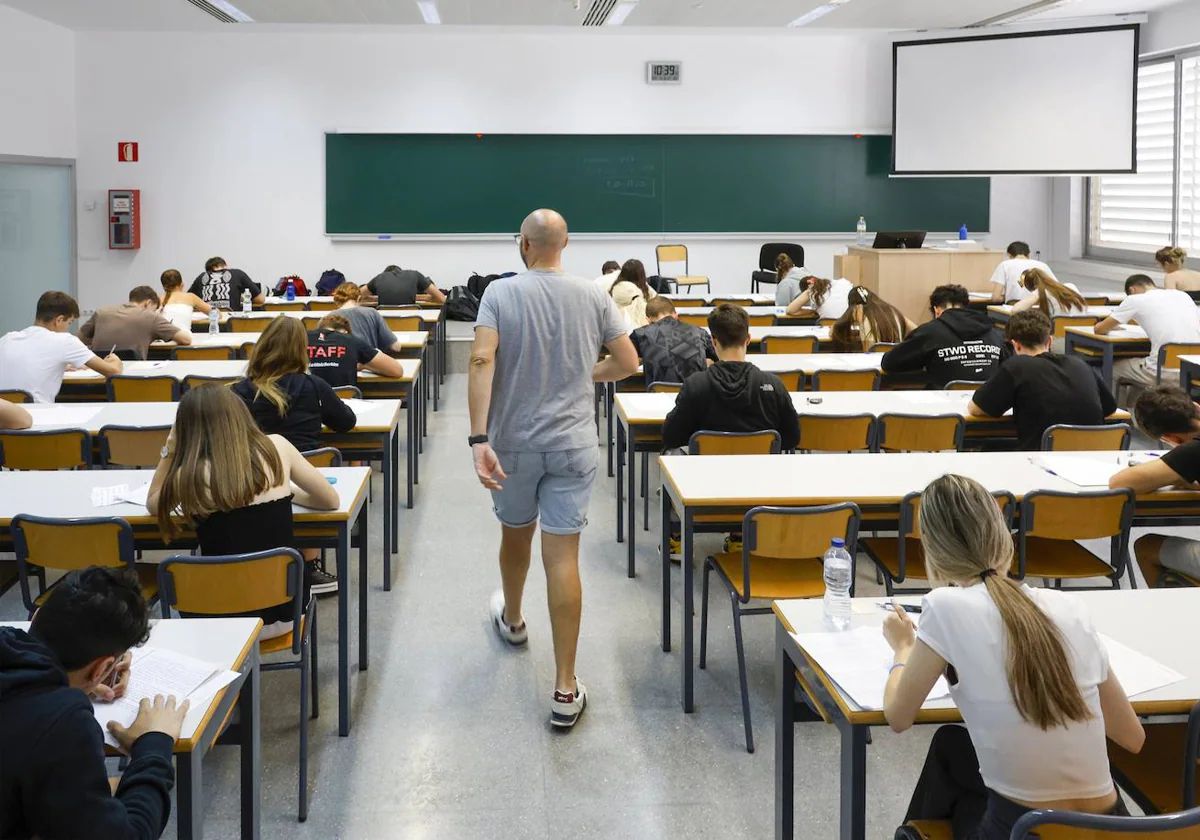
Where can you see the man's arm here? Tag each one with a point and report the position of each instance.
(429, 291)
(1147, 477)
(182, 337)
(384, 365)
(1106, 326)
(621, 362)
(110, 365)
(993, 397)
(480, 376)
(909, 354)
(13, 416)
(88, 330)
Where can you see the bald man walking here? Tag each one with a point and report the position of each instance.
(533, 363)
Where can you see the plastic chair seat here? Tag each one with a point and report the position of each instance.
(282, 644)
(885, 551)
(1062, 559)
(147, 574)
(932, 829)
(773, 577)
(1155, 771)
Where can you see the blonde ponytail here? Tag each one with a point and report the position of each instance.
(965, 536)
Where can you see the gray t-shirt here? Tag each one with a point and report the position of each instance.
(788, 288)
(552, 327)
(368, 324)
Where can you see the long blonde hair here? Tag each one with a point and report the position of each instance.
(221, 460)
(1036, 280)
(281, 349)
(885, 323)
(965, 537)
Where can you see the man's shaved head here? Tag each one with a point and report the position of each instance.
(545, 230)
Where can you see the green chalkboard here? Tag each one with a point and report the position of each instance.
(624, 183)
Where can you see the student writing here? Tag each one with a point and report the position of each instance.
(867, 321)
(958, 344)
(1006, 279)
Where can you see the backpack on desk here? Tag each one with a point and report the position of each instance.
(281, 286)
(461, 305)
(477, 283)
(331, 278)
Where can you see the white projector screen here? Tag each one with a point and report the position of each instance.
(1053, 102)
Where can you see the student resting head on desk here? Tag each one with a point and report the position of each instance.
(825, 297)
(365, 321)
(53, 779)
(867, 321)
(236, 487)
(1167, 414)
(789, 279)
(1026, 668)
(1176, 275)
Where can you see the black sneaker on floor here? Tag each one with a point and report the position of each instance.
(321, 582)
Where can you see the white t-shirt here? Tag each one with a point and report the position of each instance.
(1008, 274)
(1167, 316)
(1017, 759)
(836, 299)
(605, 281)
(34, 359)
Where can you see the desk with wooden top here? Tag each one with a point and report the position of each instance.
(742, 299)
(1137, 619)
(732, 484)
(66, 495)
(1125, 342)
(229, 643)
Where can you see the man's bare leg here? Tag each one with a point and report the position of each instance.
(560, 555)
(515, 548)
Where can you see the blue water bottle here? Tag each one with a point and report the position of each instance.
(962, 233)
(291, 288)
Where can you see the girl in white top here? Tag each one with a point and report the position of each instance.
(827, 297)
(1026, 669)
(1049, 295)
(1006, 279)
(1176, 274)
(631, 292)
(177, 305)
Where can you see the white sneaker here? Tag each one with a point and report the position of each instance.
(567, 706)
(514, 635)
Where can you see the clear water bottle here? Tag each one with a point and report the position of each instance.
(247, 300)
(291, 290)
(214, 321)
(861, 231)
(837, 585)
(963, 235)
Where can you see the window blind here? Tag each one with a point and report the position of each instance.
(1188, 236)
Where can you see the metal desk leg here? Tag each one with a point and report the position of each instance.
(419, 401)
(609, 387)
(630, 498)
(362, 586)
(620, 461)
(410, 451)
(394, 445)
(688, 609)
(785, 739)
(389, 504)
(343, 601)
(664, 551)
(250, 724)
(189, 795)
(853, 819)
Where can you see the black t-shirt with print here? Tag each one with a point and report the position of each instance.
(1043, 391)
(335, 356)
(1185, 460)
(223, 289)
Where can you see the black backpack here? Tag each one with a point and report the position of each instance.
(477, 283)
(330, 280)
(461, 305)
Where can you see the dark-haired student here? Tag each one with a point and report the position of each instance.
(53, 781)
(731, 395)
(1006, 279)
(1167, 414)
(131, 326)
(867, 321)
(396, 286)
(1026, 668)
(671, 350)
(222, 286)
(609, 272)
(34, 359)
(959, 343)
(336, 355)
(828, 298)
(1167, 316)
(1042, 388)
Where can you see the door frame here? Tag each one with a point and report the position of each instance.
(72, 219)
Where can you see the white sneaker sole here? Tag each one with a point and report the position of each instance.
(560, 720)
(496, 609)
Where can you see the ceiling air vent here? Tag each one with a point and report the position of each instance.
(599, 12)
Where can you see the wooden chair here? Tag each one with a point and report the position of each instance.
(1096, 300)
(246, 350)
(123, 388)
(695, 319)
(203, 354)
(837, 433)
(962, 385)
(324, 457)
(1168, 358)
(845, 380)
(674, 254)
(926, 830)
(132, 447)
(1066, 438)
(780, 558)
(285, 306)
(664, 387)
(404, 323)
(902, 558)
(321, 306)
(311, 322)
(1061, 322)
(742, 302)
(195, 381)
(920, 432)
(1162, 777)
(881, 347)
(826, 322)
(241, 583)
(793, 380)
(734, 443)
(789, 344)
(247, 325)
(42, 543)
(688, 302)
(1051, 522)
(1070, 825)
(348, 392)
(16, 395)
(761, 320)
(48, 449)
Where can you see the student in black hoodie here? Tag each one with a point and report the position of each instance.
(53, 780)
(731, 395)
(959, 343)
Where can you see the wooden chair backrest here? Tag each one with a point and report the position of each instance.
(734, 443)
(57, 449)
(761, 320)
(664, 387)
(230, 584)
(1169, 353)
(203, 354)
(70, 544)
(404, 323)
(348, 392)
(845, 380)
(195, 381)
(789, 344)
(136, 447)
(247, 325)
(1089, 515)
(1061, 322)
(793, 380)
(798, 533)
(16, 395)
(837, 432)
(687, 303)
(962, 385)
(321, 306)
(312, 322)
(1064, 438)
(285, 306)
(694, 319)
(143, 389)
(920, 433)
(324, 457)
(671, 253)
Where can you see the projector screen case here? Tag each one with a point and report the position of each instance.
(1056, 102)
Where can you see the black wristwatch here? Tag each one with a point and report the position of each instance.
(474, 439)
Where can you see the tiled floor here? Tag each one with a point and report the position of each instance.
(451, 736)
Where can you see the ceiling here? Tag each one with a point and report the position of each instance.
(865, 14)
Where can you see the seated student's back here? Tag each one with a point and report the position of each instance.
(396, 286)
(334, 354)
(958, 344)
(670, 350)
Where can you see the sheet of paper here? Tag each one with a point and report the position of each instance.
(1084, 471)
(111, 494)
(55, 414)
(1137, 672)
(136, 495)
(858, 661)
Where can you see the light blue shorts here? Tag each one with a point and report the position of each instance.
(554, 487)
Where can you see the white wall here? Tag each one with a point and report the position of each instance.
(1173, 27)
(37, 87)
(231, 131)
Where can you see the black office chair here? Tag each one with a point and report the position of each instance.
(766, 262)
